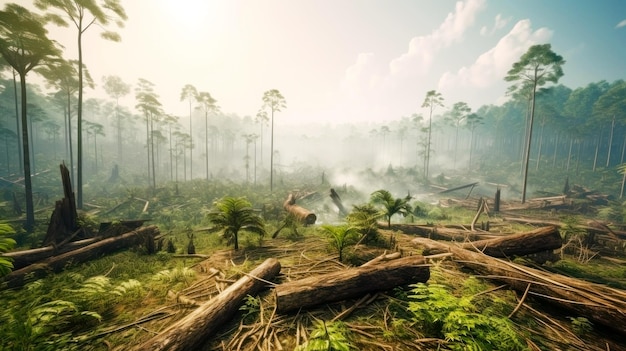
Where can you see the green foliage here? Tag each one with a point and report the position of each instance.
(340, 237)
(6, 244)
(460, 320)
(234, 214)
(251, 308)
(437, 213)
(390, 204)
(581, 325)
(333, 336)
(177, 275)
(364, 218)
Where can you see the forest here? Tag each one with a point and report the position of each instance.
(165, 218)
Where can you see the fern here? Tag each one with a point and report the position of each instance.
(457, 319)
(333, 336)
(6, 244)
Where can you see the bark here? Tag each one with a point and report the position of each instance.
(64, 219)
(24, 258)
(538, 240)
(337, 201)
(600, 304)
(350, 283)
(19, 277)
(444, 233)
(303, 215)
(191, 332)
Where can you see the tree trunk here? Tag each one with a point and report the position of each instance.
(19, 277)
(337, 201)
(598, 303)
(538, 240)
(192, 331)
(350, 283)
(64, 219)
(303, 215)
(24, 258)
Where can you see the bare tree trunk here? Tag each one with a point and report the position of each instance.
(350, 283)
(193, 330)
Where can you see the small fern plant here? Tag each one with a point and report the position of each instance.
(460, 320)
(6, 244)
(333, 336)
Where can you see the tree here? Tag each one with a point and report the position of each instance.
(189, 93)
(249, 138)
(432, 100)
(83, 14)
(473, 120)
(208, 105)
(340, 237)
(115, 87)
(610, 105)
(148, 103)
(233, 214)
(24, 45)
(170, 121)
(391, 205)
(275, 101)
(537, 67)
(459, 113)
(95, 129)
(262, 119)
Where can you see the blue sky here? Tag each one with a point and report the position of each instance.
(350, 60)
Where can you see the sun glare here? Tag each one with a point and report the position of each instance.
(189, 14)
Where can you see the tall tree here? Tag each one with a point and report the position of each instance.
(189, 93)
(208, 105)
(24, 44)
(148, 103)
(473, 120)
(171, 122)
(537, 67)
(458, 114)
(611, 106)
(431, 101)
(115, 87)
(83, 14)
(262, 119)
(275, 101)
(63, 76)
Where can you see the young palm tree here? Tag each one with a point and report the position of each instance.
(340, 237)
(391, 205)
(234, 214)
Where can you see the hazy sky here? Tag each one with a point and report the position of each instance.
(349, 60)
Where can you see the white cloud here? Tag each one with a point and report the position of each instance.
(491, 66)
(621, 24)
(499, 23)
(423, 49)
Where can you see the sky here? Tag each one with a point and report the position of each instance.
(347, 61)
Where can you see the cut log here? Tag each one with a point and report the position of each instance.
(303, 215)
(18, 277)
(444, 233)
(193, 330)
(598, 303)
(538, 240)
(26, 257)
(350, 283)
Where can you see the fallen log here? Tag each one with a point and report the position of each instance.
(440, 232)
(192, 331)
(26, 257)
(350, 283)
(57, 263)
(520, 244)
(303, 215)
(598, 303)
